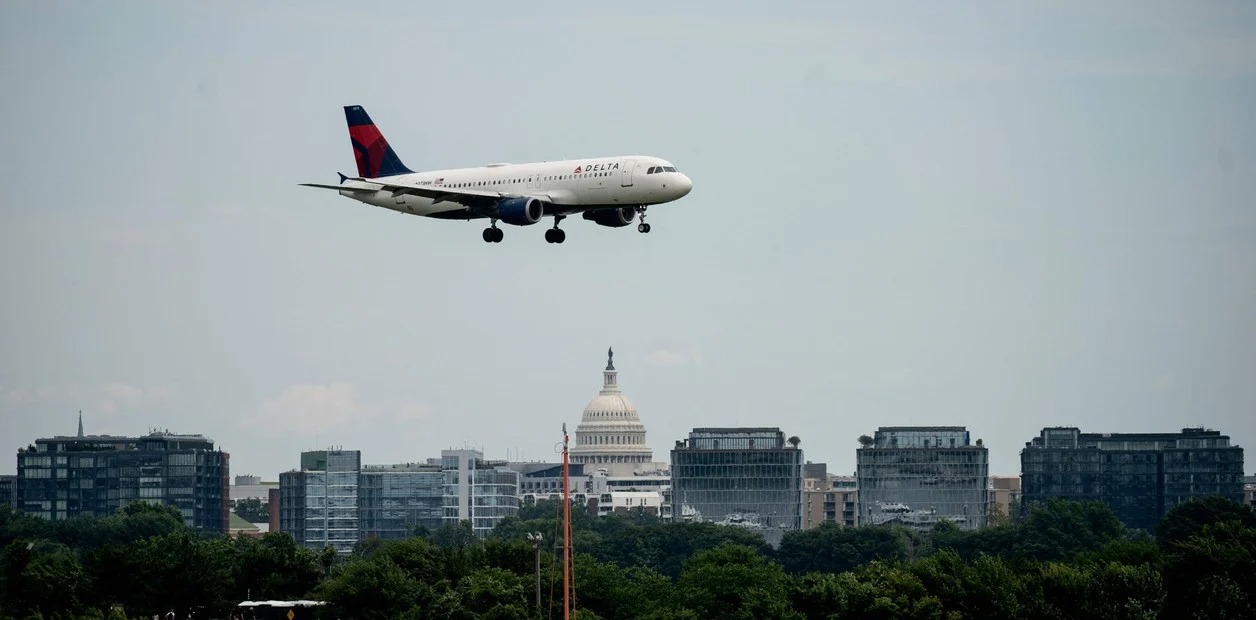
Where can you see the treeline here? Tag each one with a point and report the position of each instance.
(1064, 560)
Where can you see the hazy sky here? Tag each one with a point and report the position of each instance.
(1004, 216)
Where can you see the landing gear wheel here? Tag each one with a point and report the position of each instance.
(493, 235)
(643, 228)
(556, 234)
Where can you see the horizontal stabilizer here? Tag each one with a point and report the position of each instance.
(339, 187)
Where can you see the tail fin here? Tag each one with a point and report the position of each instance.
(375, 158)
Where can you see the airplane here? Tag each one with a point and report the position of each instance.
(608, 191)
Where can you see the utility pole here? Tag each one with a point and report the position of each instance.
(535, 538)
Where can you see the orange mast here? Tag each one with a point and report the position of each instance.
(566, 532)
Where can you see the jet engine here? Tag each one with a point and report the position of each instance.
(612, 217)
(522, 211)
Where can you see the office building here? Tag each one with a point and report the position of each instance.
(916, 476)
(1141, 476)
(815, 483)
(63, 477)
(396, 501)
(8, 490)
(745, 477)
(841, 504)
(318, 504)
(832, 499)
(482, 492)
(1005, 497)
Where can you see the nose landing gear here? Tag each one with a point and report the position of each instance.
(642, 227)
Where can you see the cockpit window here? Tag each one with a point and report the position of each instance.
(652, 170)
(670, 168)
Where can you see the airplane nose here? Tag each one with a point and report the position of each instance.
(684, 185)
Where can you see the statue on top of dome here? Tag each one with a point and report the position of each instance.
(610, 358)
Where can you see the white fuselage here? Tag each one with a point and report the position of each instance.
(569, 185)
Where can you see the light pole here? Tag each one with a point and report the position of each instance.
(535, 538)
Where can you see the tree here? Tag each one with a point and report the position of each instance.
(41, 578)
(1058, 529)
(831, 548)
(273, 567)
(1190, 517)
(664, 548)
(451, 536)
(495, 593)
(887, 590)
(252, 510)
(1213, 573)
(369, 589)
(998, 516)
(734, 581)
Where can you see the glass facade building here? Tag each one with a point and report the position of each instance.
(319, 504)
(94, 475)
(917, 475)
(482, 492)
(746, 477)
(1141, 476)
(8, 491)
(396, 500)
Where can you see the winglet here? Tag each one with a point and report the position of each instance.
(343, 178)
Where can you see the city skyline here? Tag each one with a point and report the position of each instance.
(999, 216)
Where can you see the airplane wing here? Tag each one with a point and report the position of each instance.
(475, 199)
(438, 194)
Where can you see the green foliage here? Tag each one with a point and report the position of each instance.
(1059, 529)
(495, 593)
(734, 581)
(997, 515)
(1213, 572)
(274, 568)
(252, 510)
(1065, 560)
(832, 548)
(370, 589)
(1053, 530)
(1190, 517)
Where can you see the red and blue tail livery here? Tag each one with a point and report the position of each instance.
(375, 157)
(609, 191)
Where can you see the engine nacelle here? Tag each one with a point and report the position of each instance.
(522, 211)
(612, 217)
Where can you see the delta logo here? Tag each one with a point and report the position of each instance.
(597, 167)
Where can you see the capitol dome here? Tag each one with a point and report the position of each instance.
(610, 434)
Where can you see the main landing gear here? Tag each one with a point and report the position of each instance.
(642, 227)
(556, 234)
(493, 234)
